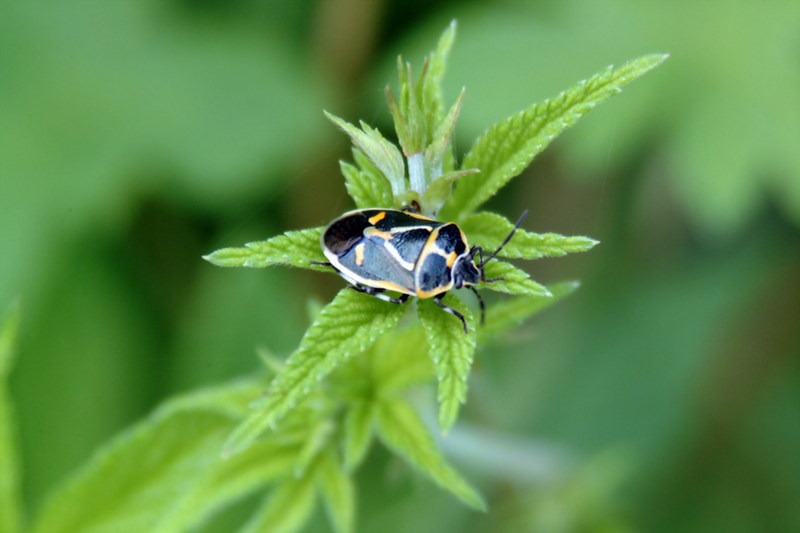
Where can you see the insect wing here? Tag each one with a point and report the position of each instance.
(372, 263)
(381, 248)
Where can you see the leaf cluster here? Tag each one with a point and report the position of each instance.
(727, 116)
(378, 178)
(357, 332)
(347, 383)
(165, 475)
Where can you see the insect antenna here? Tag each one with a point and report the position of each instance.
(508, 238)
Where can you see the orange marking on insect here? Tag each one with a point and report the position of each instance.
(451, 259)
(372, 232)
(404, 229)
(389, 286)
(360, 254)
(433, 292)
(377, 218)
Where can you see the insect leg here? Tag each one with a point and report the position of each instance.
(378, 293)
(478, 250)
(480, 301)
(322, 263)
(413, 207)
(438, 301)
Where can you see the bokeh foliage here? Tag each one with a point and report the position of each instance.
(136, 136)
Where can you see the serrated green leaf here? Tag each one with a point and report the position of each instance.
(400, 122)
(293, 248)
(415, 116)
(488, 230)
(409, 119)
(135, 480)
(404, 433)
(358, 428)
(164, 474)
(364, 163)
(515, 281)
(440, 138)
(400, 110)
(287, 508)
(366, 190)
(432, 81)
(10, 501)
(347, 326)
(231, 399)
(271, 362)
(339, 493)
(401, 361)
(438, 59)
(230, 480)
(452, 351)
(511, 312)
(506, 148)
(440, 189)
(383, 153)
(423, 130)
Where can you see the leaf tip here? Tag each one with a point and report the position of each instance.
(234, 446)
(446, 422)
(335, 119)
(269, 360)
(231, 446)
(448, 35)
(650, 61)
(217, 257)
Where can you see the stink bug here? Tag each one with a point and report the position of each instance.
(379, 250)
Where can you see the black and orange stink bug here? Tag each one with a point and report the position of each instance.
(379, 250)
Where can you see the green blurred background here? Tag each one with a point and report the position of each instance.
(663, 396)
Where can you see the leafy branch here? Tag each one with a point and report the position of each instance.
(346, 327)
(164, 474)
(316, 415)
(422, 171)
(508, 147)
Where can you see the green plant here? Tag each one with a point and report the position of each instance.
(730, 144)
(349, 380)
